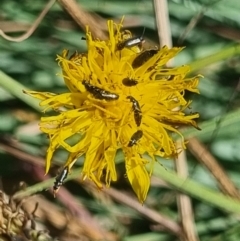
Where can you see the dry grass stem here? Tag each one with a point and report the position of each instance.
(163, 23)
(205, 157)
(33, 26)
(12, 27)
(150, 214)
(83, 18)
(184, 202)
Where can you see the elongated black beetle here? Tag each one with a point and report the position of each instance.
(135, 138)
(131, 42)
(59, 180)
(136, 110)
(99, 93)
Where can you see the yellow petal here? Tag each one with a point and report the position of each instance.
(138, 177)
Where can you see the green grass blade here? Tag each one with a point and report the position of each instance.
(224, 54)
(16, 89)
(197, 190)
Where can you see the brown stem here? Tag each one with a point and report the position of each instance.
(204, 156)
(83, 18)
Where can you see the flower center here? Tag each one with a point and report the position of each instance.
(107, 111)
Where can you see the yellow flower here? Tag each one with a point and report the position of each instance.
(120, 97)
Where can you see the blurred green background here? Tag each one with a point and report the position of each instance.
(212, 49)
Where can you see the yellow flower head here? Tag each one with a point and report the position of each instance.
(120, 97)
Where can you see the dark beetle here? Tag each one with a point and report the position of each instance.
(131, 42)
(99, 93)
(143, 57)
(59, 180)
(136, 109)
(135, 138)
(129, 82)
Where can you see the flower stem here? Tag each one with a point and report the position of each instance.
(213, 58)
(230, 122)
(16, 89)
(198, 191)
